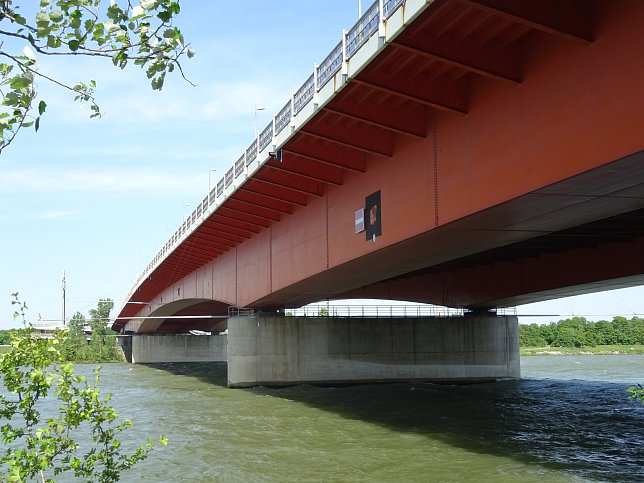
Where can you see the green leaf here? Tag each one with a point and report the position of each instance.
(149, 4)
(11, 99)
(110, 26)
(42, 19)
(190, 52)
(171, 33)
(53, 41)
(73, 45)
(56, 16)
(20, 82)
(41, 107)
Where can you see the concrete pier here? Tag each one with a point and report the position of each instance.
(290, 350)
(174, 348)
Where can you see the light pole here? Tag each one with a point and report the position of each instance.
(257, 108)
(64, 287)
(209, 184)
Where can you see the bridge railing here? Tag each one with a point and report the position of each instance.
(371, 23)
(361, 311)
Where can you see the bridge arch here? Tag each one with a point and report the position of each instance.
(179, 316)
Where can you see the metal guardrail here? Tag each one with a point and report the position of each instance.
(251, 153)
(304, 94)
(368, 25)
(365, 28)
(283, 117)
(266, 137)
(362, 311)
(240, 166)
(330, 66)
(375, 311)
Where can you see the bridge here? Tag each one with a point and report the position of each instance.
(477, 154)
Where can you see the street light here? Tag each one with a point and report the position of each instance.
(209, 172)
(257, 108)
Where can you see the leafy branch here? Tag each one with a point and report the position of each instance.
(36, 445)
(143, 34)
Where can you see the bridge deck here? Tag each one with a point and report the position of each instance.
(502, 138)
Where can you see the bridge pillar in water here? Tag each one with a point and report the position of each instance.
(330, 350)
(145, 348)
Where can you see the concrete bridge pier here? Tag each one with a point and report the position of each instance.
(329, 350)
(153, 348)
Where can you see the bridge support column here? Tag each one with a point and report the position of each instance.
(327, 350)
(177, 348)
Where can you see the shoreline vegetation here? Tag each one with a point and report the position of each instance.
(524, 351)
(598, 350)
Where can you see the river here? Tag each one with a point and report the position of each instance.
(567, 419)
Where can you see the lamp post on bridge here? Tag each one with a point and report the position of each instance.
(257, 108)
(185, 205)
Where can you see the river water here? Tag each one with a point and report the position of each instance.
(567, 419)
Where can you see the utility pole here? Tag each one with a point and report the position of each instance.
(64, 287)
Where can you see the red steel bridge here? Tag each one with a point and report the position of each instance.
(465, 153)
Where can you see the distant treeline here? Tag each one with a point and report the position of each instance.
(578, 332)
(86, 340)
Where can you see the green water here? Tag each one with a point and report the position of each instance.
(567, 420)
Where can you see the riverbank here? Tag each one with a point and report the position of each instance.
(538, 351)
(580, 351)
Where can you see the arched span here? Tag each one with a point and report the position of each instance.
(180, 316)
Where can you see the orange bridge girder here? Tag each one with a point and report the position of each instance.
(505, 142)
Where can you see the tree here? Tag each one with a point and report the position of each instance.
(75, 343)
(101, 314)
(142, 34)
(102, 347)
(530, 336)
(33, 447)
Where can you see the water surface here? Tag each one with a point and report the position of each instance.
(568, 419)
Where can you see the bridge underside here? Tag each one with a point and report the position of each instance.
(605, 251)
(505, 142)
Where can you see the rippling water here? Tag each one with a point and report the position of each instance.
(568, 419)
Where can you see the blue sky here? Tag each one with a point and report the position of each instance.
(98, 198)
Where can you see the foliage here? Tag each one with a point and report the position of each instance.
(40, 445)
(579, 332)
(142, 34)
(5, 337)
(102, 345)
(637, 392)
(585, 350)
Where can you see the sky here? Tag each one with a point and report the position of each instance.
(97, 198)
